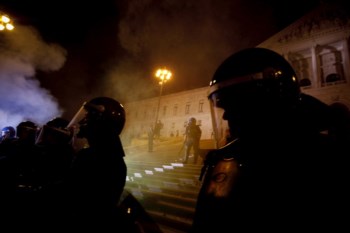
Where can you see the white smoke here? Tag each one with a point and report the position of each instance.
(22, 53)
(189, 37)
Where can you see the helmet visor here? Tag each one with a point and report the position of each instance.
(220, 125)
(75, 125)
(53, 136)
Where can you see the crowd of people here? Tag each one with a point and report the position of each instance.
(68, 174)
(282, 168)
(34, 161)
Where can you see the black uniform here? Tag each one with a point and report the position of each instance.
(282, 172)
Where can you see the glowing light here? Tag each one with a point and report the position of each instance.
(5, 23)
(5, 19)
(164, 75)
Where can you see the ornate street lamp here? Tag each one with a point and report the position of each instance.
(163, 75)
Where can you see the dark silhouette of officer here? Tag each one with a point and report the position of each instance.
(157, 128)
(192, 137)
(281, 172)
(98, 173)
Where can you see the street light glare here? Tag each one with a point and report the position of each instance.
(9, 27)
(5, 19)
(5, 23)
(163, 74)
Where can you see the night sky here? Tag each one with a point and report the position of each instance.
(63, 53)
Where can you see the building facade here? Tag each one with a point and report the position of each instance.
(174, 112)
(316, 45)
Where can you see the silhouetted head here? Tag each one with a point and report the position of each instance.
(251, 85)
(27, 131)
(192, 121)
(99, 119)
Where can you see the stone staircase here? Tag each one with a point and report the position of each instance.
(167, 191)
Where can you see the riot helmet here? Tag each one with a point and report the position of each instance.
(249, 85)
(101, 118)
(26, 125)
(27, 131)
(8, 132)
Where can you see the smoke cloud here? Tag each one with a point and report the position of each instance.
(117, 53)
(189, 37)
(22, 53)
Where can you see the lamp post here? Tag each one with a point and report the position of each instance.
(5, 23)
(163, 75)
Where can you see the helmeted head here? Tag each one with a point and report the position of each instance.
(192, 121)
(250, 85)
(101, 118)
(8, 132)
(27, 131)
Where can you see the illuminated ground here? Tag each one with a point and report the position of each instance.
(163, 185)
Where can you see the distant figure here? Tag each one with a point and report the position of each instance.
(192, 137)
(150, 135)
(98, 173)
(159, 125)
